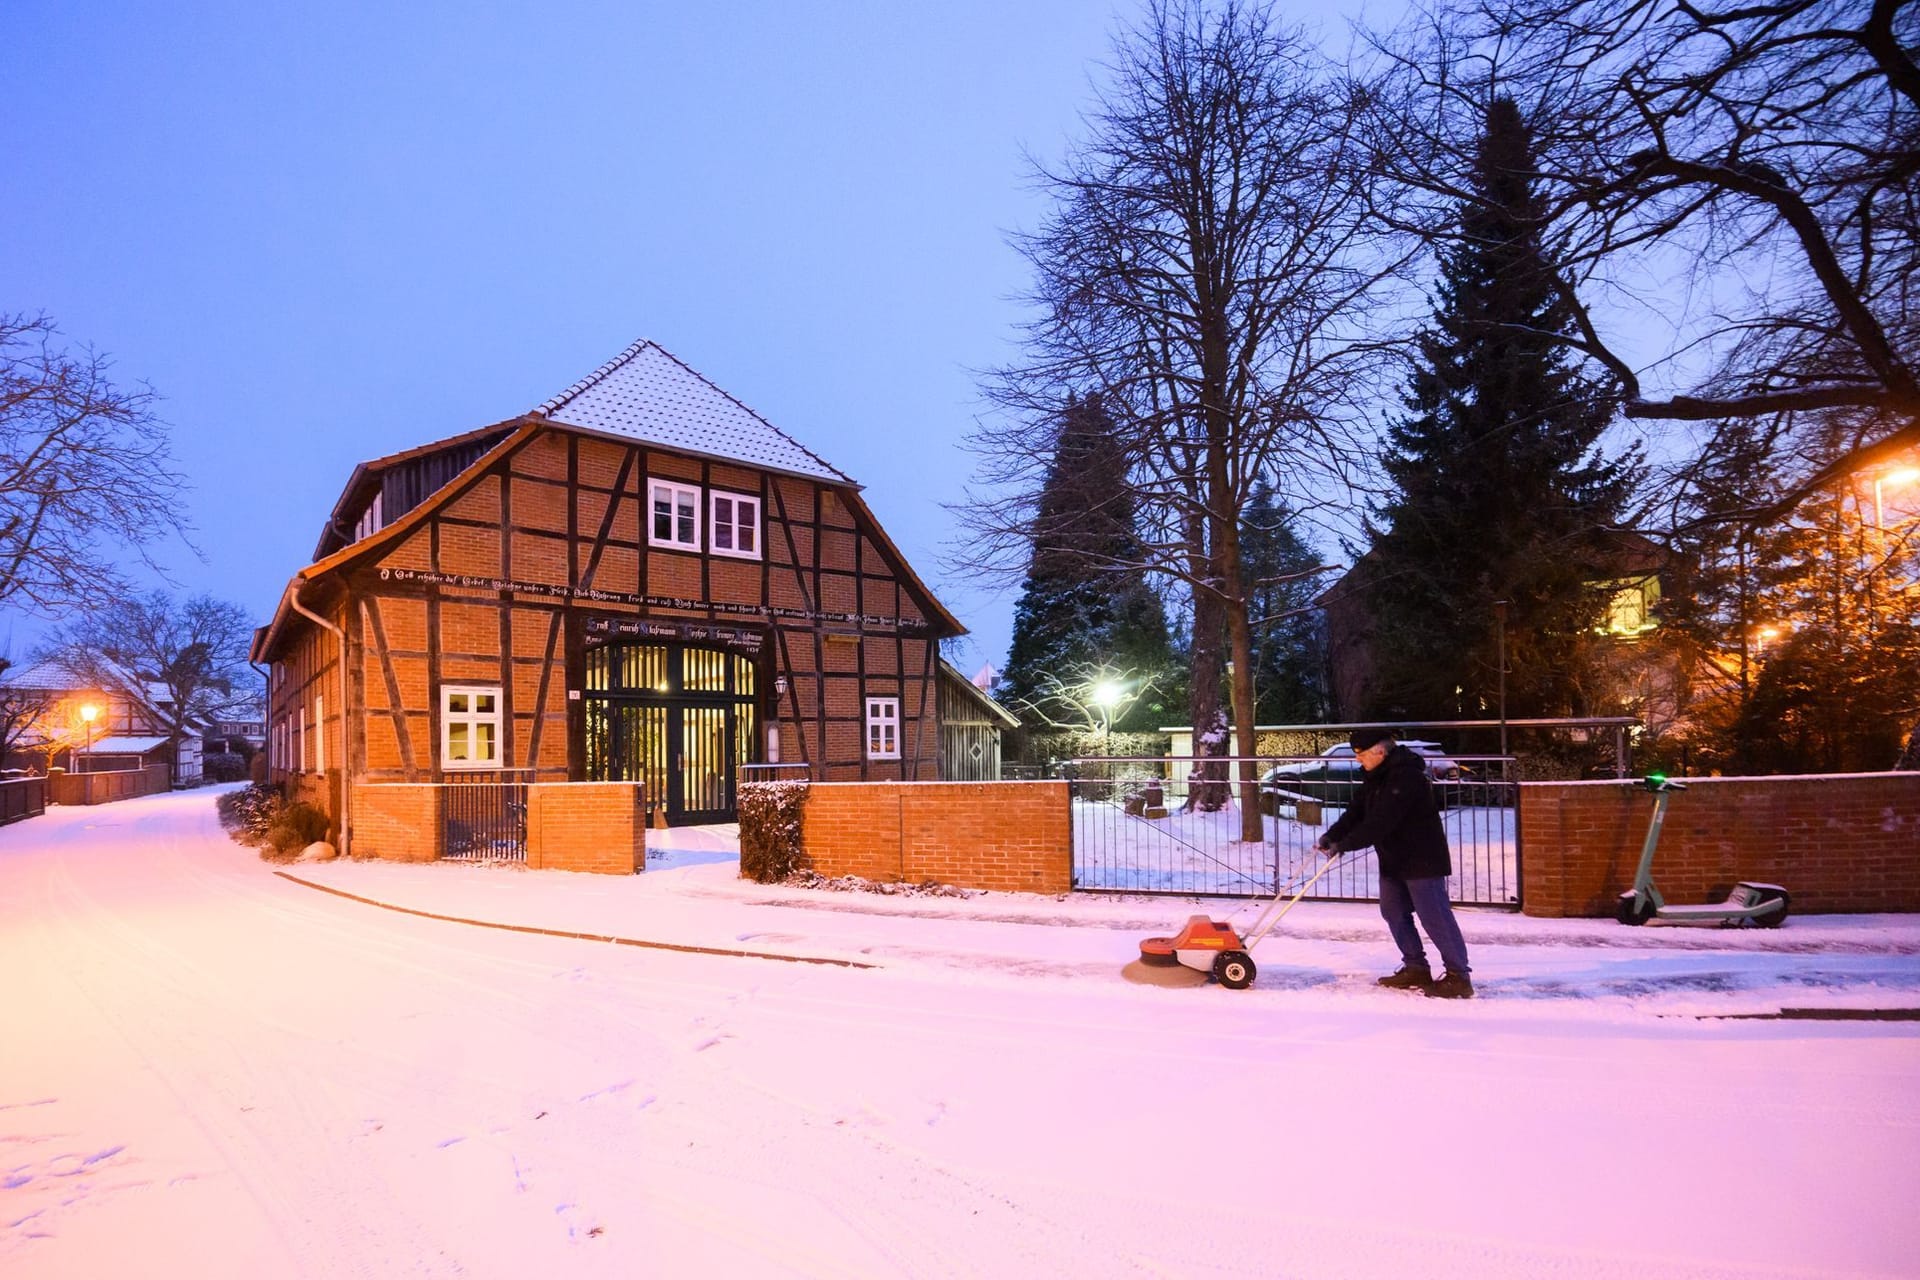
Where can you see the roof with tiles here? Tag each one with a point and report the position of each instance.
(647, 393)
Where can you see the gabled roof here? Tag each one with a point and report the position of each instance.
(646, 393)
(971, 692)
(49, 674)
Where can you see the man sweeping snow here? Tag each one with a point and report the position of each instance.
(1396, 814)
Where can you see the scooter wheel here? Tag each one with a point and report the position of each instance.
(1234, 970)
(1774, 919)
(1631, 910)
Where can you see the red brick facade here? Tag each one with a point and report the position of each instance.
(1010, 836)
(1837, 843)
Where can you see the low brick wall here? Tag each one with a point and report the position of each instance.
(1846, 842)
(399, 821)
(1010, 836)
(587, 826)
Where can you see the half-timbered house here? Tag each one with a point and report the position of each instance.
(640, 581)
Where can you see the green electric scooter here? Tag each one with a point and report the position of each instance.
(1752, 903)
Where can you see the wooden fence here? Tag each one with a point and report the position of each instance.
(107, 786)
(22, 798)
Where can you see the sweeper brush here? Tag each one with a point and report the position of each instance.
(1216, 947)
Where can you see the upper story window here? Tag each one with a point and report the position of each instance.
(735, 525)
(469, 727)
(674, 519)
(1631, 605)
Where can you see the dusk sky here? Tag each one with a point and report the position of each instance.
(326, 233)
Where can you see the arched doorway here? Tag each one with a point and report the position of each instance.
(677, 717)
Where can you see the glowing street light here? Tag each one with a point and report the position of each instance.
(89, 712)
(1896, 477)
(1107, 695)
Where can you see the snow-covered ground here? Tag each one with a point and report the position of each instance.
(208, 1069)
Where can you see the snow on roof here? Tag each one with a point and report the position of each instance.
(122, 744)
(647, 393)
(47, 674)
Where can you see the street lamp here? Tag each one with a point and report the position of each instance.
(89, 712)
(1107, 695)
(1904, 475)
(1500, 616)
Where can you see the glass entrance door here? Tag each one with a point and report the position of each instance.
(678, 719)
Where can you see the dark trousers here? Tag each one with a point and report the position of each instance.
(1401, 900)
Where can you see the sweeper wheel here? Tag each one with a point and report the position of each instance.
(1234, 970)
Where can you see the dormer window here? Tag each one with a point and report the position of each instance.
(371, 520)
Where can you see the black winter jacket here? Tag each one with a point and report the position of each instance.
(1397, 814)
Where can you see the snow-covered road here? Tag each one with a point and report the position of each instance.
(208, 1070)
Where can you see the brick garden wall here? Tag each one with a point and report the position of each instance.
(1010, 836)
(399, 821)
(1836, 842)
(587, 826)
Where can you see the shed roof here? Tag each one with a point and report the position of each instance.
(647, 393)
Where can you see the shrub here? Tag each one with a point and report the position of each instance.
(224, 767)
(295, 827)
(249, 812)
(770, 841)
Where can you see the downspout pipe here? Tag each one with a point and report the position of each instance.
(346, 762)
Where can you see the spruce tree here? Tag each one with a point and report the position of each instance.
(1499, 490)
(1289, 669)
(1086, 607)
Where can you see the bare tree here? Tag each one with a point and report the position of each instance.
(25, 716)
(84, 467)
(1737, 188)
(184, 663)
(1208, 271)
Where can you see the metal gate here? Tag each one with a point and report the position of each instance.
(679, 719)
(484, 818)
(1133, 831)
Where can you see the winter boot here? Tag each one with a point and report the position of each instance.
(1452, 986)
(1408, 977)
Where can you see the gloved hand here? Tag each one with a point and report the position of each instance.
(1326, 846)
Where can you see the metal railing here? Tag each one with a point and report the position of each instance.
(484, 818)
(796, 772)
(1148, 826)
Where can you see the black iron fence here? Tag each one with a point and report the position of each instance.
(1149, 826)
(796, 772)
(484, 817)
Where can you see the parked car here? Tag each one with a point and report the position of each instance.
(1333, 776)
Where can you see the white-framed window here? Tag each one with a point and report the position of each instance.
(883, 728)
(673, 515)
(299, 718)
(734, 525)
(319, 734)
(469, 727)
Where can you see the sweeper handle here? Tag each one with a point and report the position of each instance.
(1263, 926)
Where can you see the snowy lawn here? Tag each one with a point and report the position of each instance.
(211, 1070)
